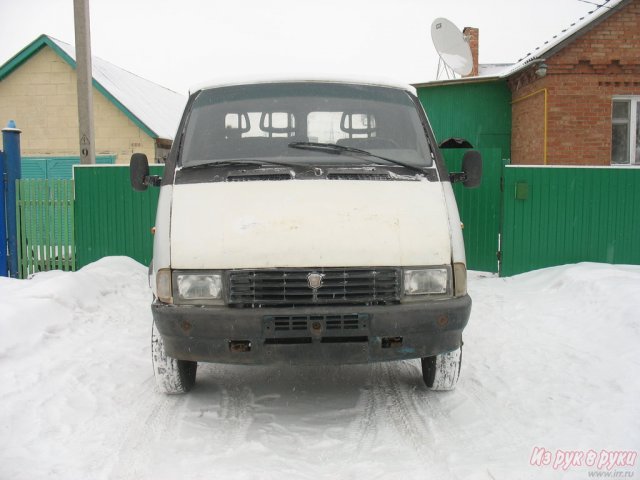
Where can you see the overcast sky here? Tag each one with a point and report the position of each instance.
(179, 43)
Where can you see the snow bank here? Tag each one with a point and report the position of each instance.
(72, 351)
(54, 301)
(550, 361)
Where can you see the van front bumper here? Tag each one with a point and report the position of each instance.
(314, 335)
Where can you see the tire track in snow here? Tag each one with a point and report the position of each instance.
(437, 418)
(234, 414)
(155, 413)
(399, 409)
(364, 430)
(403, 412)
(444, 412)
(481, 400)
(158, 416)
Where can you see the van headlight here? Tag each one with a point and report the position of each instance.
(199, 287)
(427, 281)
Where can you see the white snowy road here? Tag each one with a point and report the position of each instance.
(550, 361)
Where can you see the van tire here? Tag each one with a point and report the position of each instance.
(441, 372)
(172, 376)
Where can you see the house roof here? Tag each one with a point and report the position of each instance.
(543, 52)
(154, 109)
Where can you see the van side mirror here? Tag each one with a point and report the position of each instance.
(471, 175)
(139, 173)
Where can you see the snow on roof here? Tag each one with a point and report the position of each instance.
(558, 41)
(541, 53)
(157, 107)
(492, 69)
(154, 109)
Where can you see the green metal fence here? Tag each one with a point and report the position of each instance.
(549, 215)
(45, 218)
(558, 215)
(111, 218)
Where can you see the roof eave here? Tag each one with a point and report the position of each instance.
(44, 40)
(459, 81)
(543, 55)
(27, 52)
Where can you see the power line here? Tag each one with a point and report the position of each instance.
(603, 5)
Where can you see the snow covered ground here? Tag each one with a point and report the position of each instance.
(551, 365)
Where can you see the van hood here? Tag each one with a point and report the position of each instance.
(309, 223)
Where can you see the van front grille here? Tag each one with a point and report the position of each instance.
(292, 287)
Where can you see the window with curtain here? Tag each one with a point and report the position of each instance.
(625, 131)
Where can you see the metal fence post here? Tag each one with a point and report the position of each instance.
(3, 221)
(11, 143)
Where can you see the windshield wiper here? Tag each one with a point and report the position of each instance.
(335, 149)
(245, 163)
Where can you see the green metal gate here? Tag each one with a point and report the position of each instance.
(480, 208)
(480, 113)
(111, 218)
(45, 226)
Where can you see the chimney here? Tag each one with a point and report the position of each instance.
(472, 35)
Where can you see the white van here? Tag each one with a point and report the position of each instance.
(306, 222)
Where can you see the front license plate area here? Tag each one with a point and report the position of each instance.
(297, 326)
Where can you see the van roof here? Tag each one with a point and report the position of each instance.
(226, 82)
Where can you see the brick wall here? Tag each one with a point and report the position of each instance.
(581, 81)
(41, 97)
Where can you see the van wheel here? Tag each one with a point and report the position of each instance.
(441, 372)
(172, 376)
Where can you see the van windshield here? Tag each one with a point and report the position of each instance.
(261, 121)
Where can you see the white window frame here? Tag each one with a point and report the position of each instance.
(634, 111)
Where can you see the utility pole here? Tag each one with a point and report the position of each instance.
(84, 79)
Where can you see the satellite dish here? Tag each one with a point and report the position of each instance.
(453, 49)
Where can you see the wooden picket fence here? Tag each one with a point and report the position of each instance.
(46, 240)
